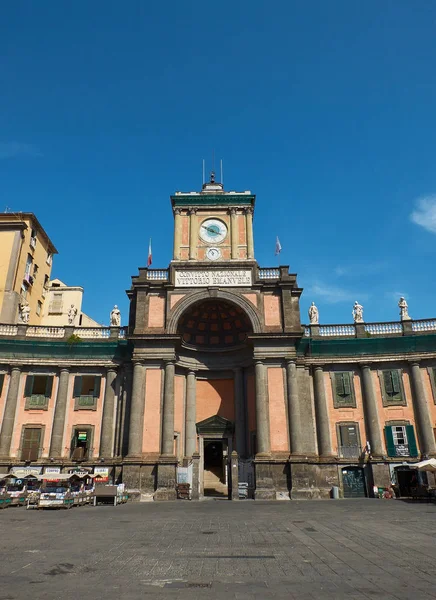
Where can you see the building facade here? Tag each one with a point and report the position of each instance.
(26, 254)
(216, 372)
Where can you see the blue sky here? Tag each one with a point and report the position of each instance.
(325, 110)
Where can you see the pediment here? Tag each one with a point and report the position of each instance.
(215, 424)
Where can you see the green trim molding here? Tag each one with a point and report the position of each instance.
(366, 346)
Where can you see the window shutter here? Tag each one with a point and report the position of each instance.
(390, 441)
(413, 450)
(77, 386)
(339, 383)
(29, 386)
(395, 382)
(347, 383)
(388, 382)
(97, 384)
(345, 439)
(2, 378)
(48, 387)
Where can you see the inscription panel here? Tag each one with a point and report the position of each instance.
(230, 278)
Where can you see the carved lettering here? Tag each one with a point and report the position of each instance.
(233, 278)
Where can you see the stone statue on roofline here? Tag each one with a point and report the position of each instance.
(357, 312)
(24, 312)
(115, 318)
(72, 312)
(313, 314)
(404, 309)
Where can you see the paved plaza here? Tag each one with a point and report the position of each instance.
(355, 549)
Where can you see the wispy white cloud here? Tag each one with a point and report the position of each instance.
(16, 149)
(396, 295)
(359, 269)
(334, 294)
(425, 213)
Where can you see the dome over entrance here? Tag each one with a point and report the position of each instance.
(214, 324)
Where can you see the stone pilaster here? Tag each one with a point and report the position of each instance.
(137, 410)
(249, 231)
(321, 412)
(168, 411)
(234, 232)
(177, 233)
(57, 435)
(293, 408)
(422, 412)
(234, 475)
(262, 419)
(240, 410)
(107, 425)
(190, 416)
(371, 413)
(193, 234)
(9, 412)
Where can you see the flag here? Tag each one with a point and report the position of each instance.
(278, 246)
(149, 259)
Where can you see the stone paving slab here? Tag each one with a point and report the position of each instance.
(354, 549)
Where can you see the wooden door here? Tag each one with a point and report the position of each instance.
(31, 444)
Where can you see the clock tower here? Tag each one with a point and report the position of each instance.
(213, 226)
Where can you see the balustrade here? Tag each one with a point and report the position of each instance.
(157, 274)
(45, 331)
(424, 325)
(384, 328)
(337, 330)
(269, 273)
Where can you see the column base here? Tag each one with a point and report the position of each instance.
(166, 479)
(265, 488)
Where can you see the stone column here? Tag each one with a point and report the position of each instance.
(422, 412)
(168, 411)
(293, 408)
(195, 493)
(249, 232)
(9, 413)
(234, 232)
(57, 434)
(192, 233)
(137, 410)
(190, 417)
(240, 413)
(177, 234)
(262, 420)
(321, 411)
(371, 412)
(107, 424)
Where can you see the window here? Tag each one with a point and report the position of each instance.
(432, 375)
(37, 391)
(81, 442)
(49, 258)
(38, 308)
(2, 379)
(29, 262)
(86, 391)
(35, 271)
(392, 387)
(33, 238)
(23, 291)
(55, 307)
(349, 444)
(343, 391)
(31, 442)
(46, 280)
(400, 440)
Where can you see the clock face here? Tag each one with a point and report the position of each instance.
(213, 231)
(213, 253)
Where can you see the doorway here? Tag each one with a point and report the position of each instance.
(215, 467)
(353, 479)
(409, 479)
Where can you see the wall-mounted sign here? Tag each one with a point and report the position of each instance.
(24, 471)
(52, 470)
(230, 278)
(102, 473)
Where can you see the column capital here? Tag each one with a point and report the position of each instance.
(233, 210)
(318, 367)
(191, 372)
(177, 211)
(365, 365)
(16, 368)
(64, 369)
(112, 369)
(249, 210)
(414, 362)
(193, 211)
(290, 361)
(259, 361)
(169, 362)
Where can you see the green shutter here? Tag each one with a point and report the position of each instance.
(2, 378)
(77, 386)
(97, 384)
(411, 440)
(390, 441)
(339, 385)
(388, 382)
(29, 386)
(347, 383)
(49, 387)
(396, 387)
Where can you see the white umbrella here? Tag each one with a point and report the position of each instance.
(426, 465)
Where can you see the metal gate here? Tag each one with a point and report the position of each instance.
(353, 479)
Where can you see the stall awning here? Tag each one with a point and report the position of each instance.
(5, 475)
